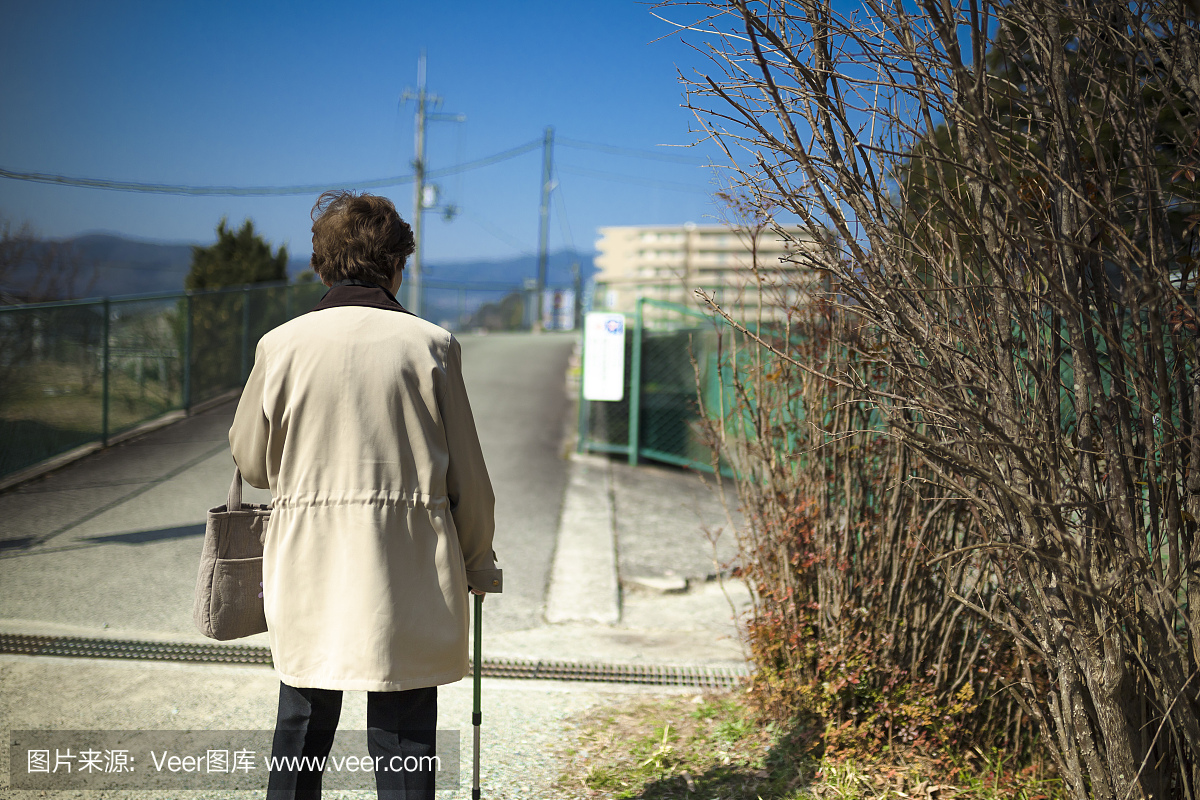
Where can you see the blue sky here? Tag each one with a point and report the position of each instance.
(273, 93)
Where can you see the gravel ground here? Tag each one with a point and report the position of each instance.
(525, 722)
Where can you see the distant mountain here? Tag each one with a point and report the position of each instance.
(512, 271)
(94, 265)
(131, 266)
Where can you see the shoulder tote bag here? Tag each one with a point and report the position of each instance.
(229, 591)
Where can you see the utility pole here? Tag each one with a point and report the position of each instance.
(420, 202)
(544, 224)
(577, 285)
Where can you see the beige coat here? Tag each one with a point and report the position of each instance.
(356, 418)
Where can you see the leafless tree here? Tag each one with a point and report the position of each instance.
(1012, 187)
(33, 270)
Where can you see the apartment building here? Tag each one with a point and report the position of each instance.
(670, 262)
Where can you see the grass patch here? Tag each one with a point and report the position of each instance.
(707, 746)
(711, 747)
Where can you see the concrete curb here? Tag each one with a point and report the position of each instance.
(583, 580)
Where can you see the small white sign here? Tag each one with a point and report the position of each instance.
(558, 310)
(604, 356)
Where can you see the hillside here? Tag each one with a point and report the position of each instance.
(114, 265)
(129, 266)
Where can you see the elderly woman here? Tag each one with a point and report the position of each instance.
(355, 416)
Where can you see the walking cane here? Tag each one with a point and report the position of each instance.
(476, 715)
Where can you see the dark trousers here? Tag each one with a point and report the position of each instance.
(400, 726)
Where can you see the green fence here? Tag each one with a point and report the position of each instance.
(78, 372)
(671, 360)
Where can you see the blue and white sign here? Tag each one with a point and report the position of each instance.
(604, 356)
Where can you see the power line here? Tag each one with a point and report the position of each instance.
(615, 176)
(261, 191)
(522, 248)
(375, 183)
(628, 151)
(486, 161)
(564, 223)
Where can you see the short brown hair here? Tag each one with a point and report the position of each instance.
(358, 236)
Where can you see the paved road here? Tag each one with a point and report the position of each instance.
(112, 542)
(517, 385)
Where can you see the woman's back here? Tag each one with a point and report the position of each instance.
(361, 389)
(356, 418)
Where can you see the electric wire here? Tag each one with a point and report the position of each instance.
(627, 151)
(522, 248)
(460, 145)
(563, 222)
(262, 191)
(374, 183)
(616, 176)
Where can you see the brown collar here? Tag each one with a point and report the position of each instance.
(359, 293)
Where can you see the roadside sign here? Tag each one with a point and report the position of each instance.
(604, 356)
(558, 310)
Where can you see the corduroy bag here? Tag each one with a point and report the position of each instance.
(229, 590)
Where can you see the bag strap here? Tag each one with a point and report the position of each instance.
(234, 501)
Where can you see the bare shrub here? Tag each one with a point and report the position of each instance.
(851, 623)
(1012, 191)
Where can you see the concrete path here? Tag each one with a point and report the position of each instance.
(518, 395)
(112, 541)
(583, 585)
(636, 578)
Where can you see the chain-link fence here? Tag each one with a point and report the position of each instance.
(222, 328)
(79, 372)
(493, 307)
(73, 373)
(671, 368)
(60, 409)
